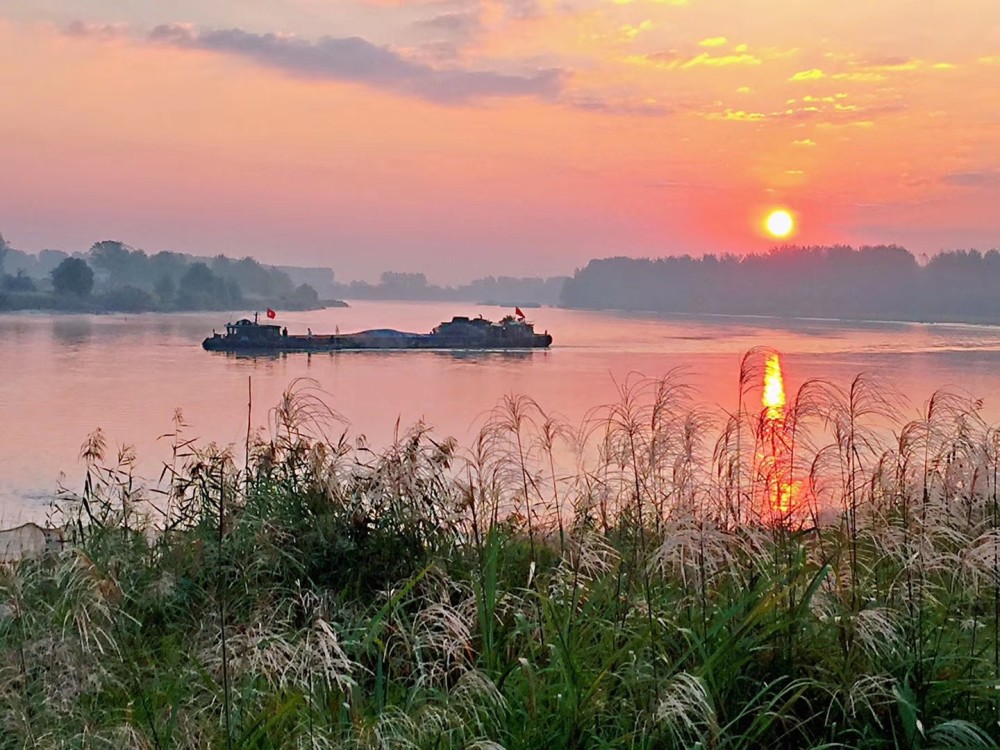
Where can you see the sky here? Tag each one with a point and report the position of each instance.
(463, 138)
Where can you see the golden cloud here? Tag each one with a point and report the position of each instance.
(631, 32)
(859, 77)
(673, 60)
(812, 74)
(738, 115)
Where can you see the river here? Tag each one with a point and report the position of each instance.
(63, 376)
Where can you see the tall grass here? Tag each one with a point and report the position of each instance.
(623, 584)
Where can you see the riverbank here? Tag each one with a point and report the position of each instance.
(431, 596)
(116, 302)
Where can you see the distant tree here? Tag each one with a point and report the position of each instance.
(252, 277)
(198, 286)
(407, 281)
(109, 256)
(73, 276)
(48, 260)
(3, 252)
(165, 288)
(168, 264)
(202, 289)
(305, 296)
(233, 295)
(361, 290)
(121, 263)
(19, 283)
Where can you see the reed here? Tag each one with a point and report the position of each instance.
(621, 583)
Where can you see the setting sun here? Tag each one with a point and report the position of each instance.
(779, 223)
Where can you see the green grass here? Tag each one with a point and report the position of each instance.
(433, 597)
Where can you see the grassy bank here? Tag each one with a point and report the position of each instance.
(429, 596)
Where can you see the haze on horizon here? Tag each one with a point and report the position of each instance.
(472, 137)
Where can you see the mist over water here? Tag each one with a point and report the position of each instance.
(64, 376)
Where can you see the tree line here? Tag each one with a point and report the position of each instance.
(114, 276)
(393, 285)
(884, 282)
(124, 278)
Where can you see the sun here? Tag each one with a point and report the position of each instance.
(779, 223)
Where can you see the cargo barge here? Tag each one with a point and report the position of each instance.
(459, 333)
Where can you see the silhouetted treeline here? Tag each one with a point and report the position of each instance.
(883, 282)
(414, 286)
(113, 276)
(129, 279)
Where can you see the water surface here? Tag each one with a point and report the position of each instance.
(63, 376)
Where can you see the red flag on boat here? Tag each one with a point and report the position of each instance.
(518, 311)
(271, 313)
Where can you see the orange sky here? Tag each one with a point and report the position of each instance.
(517, 137)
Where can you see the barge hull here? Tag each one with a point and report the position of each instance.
(349, 343)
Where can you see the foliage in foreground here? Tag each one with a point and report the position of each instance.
(428, 598)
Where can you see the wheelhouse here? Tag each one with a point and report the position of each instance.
(247, 330)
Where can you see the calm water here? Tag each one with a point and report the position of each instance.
(63, 376)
